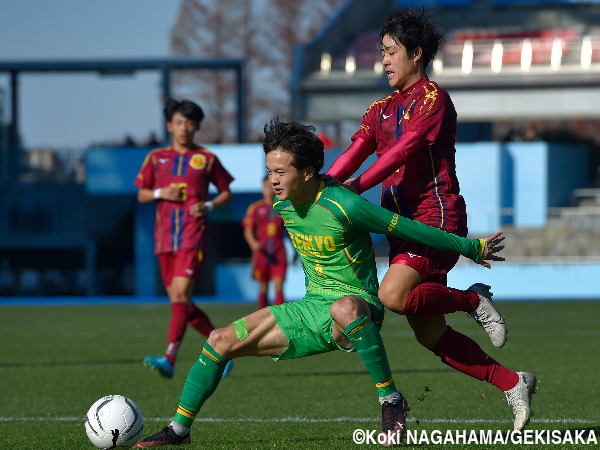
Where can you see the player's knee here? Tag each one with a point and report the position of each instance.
(393, 298)
(348, 307)
(278, 284)
(221, 340)
(179, 297)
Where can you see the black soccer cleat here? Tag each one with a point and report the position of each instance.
(393, 422)
(166, 436)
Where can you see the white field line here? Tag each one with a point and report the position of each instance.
(306, 420)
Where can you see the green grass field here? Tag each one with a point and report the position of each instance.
(57, 360)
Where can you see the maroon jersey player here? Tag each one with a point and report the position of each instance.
(177, 177)
(413, 132)
(263, 231)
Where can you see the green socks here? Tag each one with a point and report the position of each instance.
(366, 339)
(206, 373)
(203, 379)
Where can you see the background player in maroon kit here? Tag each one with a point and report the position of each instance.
(263, 231)
(413, 132)
(177, 177)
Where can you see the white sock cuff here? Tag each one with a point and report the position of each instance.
(392, 398)
(179, 429)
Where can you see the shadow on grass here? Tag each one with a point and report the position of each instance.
(299, 442)
(97, 362)
(353, 372)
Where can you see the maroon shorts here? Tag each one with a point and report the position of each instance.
(431, 264)
(182, 263)
(266, 268)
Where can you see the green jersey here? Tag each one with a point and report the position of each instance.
(332, 236)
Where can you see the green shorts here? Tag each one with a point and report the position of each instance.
(307, 324)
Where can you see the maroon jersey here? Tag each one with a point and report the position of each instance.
(268, 230)
(413, 133)
(175, 228)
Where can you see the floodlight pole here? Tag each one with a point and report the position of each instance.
(166, 91)
(9, 144)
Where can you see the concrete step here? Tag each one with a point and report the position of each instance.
(587, 195)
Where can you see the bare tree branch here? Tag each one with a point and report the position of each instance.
(265, 34)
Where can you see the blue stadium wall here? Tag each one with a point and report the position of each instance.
(503, 184)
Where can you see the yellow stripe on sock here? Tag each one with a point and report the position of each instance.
(386, 383)
(211, 356)
(359, 326)
(184, 412)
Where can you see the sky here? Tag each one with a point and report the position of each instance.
(72, 111)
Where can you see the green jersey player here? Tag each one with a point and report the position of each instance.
(331, 233)
(330, 228)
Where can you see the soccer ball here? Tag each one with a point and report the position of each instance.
(114, 421)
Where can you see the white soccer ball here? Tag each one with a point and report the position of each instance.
(114, 421)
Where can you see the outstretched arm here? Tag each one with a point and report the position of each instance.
(350, 161)
(369, 217)
(389, 162)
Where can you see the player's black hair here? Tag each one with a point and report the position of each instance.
(297, 139)
(186, 108)
(412, 30)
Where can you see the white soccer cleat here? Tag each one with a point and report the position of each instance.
(519, 398)
(488, 316)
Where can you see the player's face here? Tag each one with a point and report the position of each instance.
(402, 69)
(287, 182)
(182, 129)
